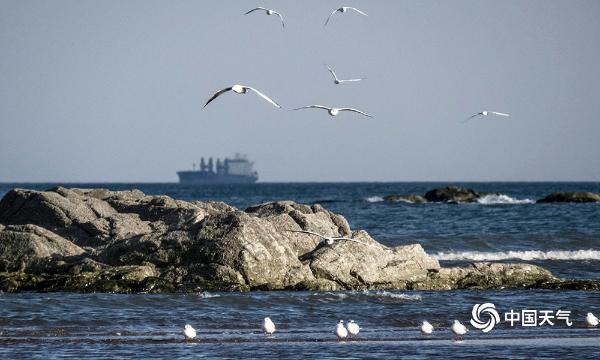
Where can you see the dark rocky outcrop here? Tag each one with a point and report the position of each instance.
(454, 194)
(126, 241)
(449, 194)
(574, 197)
(457, 194)
(485, 275)
(406, 198)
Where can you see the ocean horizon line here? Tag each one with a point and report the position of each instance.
(310, 182)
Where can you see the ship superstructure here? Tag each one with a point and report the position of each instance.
(236, 170)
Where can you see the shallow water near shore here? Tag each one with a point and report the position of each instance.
(564, 238)
(228, 324)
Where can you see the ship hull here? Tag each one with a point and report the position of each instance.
(199, 177)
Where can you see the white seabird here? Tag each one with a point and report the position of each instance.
(241, 89)
(340, 331)
(189, 332)
(592, 320)
(332, 111)
(426, 328)
(268, 326)
(338, 81)
(268, 12)
(486, 113)
(342, 10)
(353, 328)
(459, 329)
(329, 240)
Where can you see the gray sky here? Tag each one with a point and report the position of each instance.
(113, 90)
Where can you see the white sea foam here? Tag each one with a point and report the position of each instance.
(207, 295)
(493, 199)
(339, 295)
(393, 295)
(402, 200)
(521, 255)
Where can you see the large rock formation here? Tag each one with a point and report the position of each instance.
(126, 241)
(575, 197)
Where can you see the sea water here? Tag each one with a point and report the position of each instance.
(509, 227)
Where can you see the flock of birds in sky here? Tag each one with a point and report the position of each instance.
(333, 111)
(351, 329)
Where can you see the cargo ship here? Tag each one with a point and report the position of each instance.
(237, 170)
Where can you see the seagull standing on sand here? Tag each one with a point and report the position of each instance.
(332, 111)
(459, 330)
(340, 330)
(592, 320)
(241, 89)
(268, 12)
(353, 328)
(342, 10)
(426, 328)
(486, 113)
(268, 327)
(339, 81)
(329, 240)
(189, 332)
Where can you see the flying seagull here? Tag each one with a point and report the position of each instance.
(241, 89)
(268, 12)
(342, 10)
(332, 111)
(339, 81)
(486, 113)
(329, 240)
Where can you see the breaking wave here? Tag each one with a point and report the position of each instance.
(493, 199)
(520, 255)
(392, 295)
(207, 295)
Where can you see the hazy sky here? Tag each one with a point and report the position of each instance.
(113, 90)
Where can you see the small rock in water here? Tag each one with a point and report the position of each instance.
(574, 197)
(454, 194)
(409, 198)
